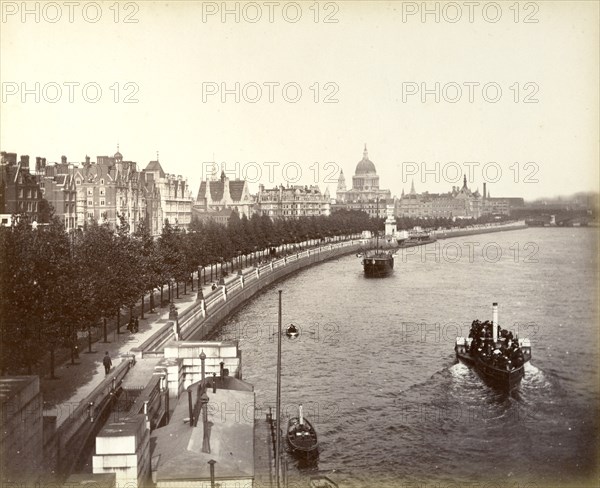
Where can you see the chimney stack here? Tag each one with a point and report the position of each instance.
(25, 161)
(495, 321)
(63, 159)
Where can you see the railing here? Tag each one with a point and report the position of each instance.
(74, 431)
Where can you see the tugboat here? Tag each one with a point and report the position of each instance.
(377, 262)
(302, 437)
(497, 355)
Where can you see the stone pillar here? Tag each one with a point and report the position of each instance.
(123, 448)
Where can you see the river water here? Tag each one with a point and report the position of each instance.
(375, 369)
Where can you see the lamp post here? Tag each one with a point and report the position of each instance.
(202, 366)
(278, 399)
(212, 463)
(205, 435)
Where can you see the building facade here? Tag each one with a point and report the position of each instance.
(20, 193)
(223, 193)
(175, 196)
(57, 183)
(293, 201)
(461, 203)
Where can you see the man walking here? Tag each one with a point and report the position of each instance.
(107, 363)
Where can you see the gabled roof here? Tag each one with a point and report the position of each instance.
(236, 189)
(155, 166)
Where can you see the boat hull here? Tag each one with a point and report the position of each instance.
(302, 439)
(499, 378)
(378, 266)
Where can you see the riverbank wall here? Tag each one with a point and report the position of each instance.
(447, 234)
(202, 319)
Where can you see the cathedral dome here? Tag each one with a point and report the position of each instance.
(365, 166)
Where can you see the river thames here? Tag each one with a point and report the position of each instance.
(375, 368)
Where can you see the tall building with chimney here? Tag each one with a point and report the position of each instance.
(20, 193)
(175, 196)
(57, 183)
(112, 189)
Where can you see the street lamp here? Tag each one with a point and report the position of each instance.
(205, 436)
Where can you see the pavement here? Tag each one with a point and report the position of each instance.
(75, 382)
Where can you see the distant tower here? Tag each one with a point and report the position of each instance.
(484, 194)
(341, 186)
(465, 181)
(412, 187)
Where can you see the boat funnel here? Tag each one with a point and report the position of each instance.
(495, 321)
(300, 417)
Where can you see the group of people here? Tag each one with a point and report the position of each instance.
(133, 325)
(504, 354)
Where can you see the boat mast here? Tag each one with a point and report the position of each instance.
(377, 220)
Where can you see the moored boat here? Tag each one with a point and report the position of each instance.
(302, 436)
(378, 263)
(497, 355)
(416, 237)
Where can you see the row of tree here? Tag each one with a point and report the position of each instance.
(55, 285)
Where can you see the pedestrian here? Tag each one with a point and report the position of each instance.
(107, 363)
(136, 325)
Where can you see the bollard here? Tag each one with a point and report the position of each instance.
(214, 382)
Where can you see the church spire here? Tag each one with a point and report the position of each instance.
(365, 153)
(464, 181)
(412, 187)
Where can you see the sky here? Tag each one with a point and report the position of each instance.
(290, 92)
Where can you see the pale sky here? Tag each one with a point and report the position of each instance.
(369, 63)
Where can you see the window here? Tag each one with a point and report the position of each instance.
(90, 203)
(90, 191)
(102, 202)
(101, 191)
(78, 182)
